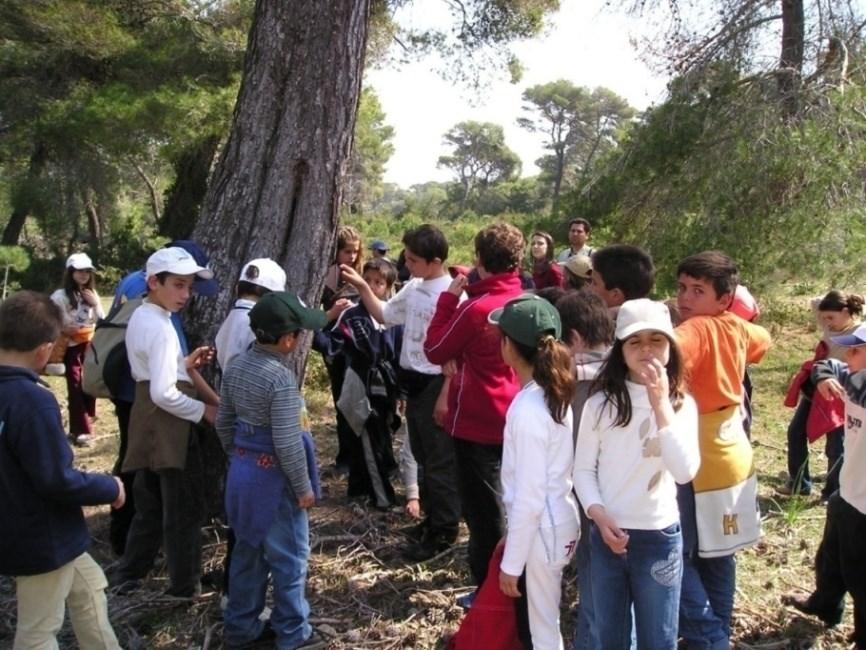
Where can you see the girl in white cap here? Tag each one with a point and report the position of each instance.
(81, 309)
(638, 435)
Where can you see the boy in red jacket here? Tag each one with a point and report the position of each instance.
(483, 386)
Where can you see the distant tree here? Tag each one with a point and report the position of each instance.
(579, 125)
(479, 158)
(371, 150)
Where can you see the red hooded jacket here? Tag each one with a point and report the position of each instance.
(484, 386)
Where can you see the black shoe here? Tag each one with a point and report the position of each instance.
(415, 533)
(802, 604)
(266, 637)
(430, 546)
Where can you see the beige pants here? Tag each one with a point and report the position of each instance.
(42, 600)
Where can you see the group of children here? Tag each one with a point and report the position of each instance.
(595, 426)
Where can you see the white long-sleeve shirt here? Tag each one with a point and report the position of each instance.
(155, 356)
(83, 315)
(537, 457)
(234, 335)
(632, 470)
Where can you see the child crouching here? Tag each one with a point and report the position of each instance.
(261, 423)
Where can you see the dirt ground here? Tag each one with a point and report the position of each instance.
(364, 595)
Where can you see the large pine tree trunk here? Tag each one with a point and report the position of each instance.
(277, 188)
(184, 198)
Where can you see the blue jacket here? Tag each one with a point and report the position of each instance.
(41, 494)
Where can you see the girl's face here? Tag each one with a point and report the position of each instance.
(81, 277)
(378, 284)
(835, 321)
(639, 349)
(538, 248)
(349, 253)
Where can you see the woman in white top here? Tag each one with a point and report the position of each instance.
(638, 436)
(537, 456)
(81, 309)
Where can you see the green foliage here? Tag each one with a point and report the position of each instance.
(14, 258)
(371, 150)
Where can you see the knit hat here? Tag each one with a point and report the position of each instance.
(281, 312)
(643, 314)
(264, 272)
(526, 319)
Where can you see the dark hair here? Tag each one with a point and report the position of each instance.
(71, 288)
(345, 236)
(586, 314)
(551, 294)
(580, 221)
(499, 247)
(625, 267)
(837, 301)
(28, 320)
(427, 242)
(245, 288)
(552, 370)
(715, 267)
(612, 377)
(383, 266)
(547, 240)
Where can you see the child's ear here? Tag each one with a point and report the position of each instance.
(575, 340)
(726, 299)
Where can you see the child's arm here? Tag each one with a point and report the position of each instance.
(285, 415)
(833, 378)
(409, 471)
(371, 302)
(451, 329)
(758, 344)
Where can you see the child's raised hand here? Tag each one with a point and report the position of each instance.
(508, 584)
(351, 276)
(655, 379)
(830, 388)
(338, 308)
(307, 501)
(88, 296)
(199, 357)
(457, 284)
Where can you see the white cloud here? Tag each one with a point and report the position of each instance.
(585, 45)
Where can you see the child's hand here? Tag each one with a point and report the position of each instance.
(401, 407)
(307, 501)
(351, 276)
(508, 584)
(88, 296)
(210, 412)
(457, 284)
(121, 494)
(199, 357)
(440, 409)
(338, 308)
(655, 379)
(413, 508)
(830, 388)
(449, 368)
(615, 538)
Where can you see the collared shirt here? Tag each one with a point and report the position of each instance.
(155, 356)
(258, 388)
(568, 253)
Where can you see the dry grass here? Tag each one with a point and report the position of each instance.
(363, 595)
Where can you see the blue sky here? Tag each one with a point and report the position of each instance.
(584, 45)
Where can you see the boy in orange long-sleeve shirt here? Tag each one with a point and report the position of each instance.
(718, 509)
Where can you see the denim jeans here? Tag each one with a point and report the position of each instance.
(585, 637)
(284, 554)
(647, 575)
(798, 453)
(707, 592)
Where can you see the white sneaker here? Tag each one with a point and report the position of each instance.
(55, 369)
(83, 440)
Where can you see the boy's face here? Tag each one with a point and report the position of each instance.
(697, 297)
(611, 297)
(378, 284)
(856, 358)
(173, 294)
(577, 235)
(421, 268)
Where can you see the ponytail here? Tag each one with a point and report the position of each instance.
(837, 301)
(553, 371)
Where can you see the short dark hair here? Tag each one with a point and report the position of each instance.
(383, 266)
(28, 320)
(625, 267)
(551, 294)
(585, 313)
(499, 247)
(580, 220)
(713, 266)
(427, 242)
(245, 288)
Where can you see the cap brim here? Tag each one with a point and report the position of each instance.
(494, 316)
(634, 328)
(848, 340)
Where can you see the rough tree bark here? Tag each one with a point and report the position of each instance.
(791, 58)
(184, 198)
(277, 188)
